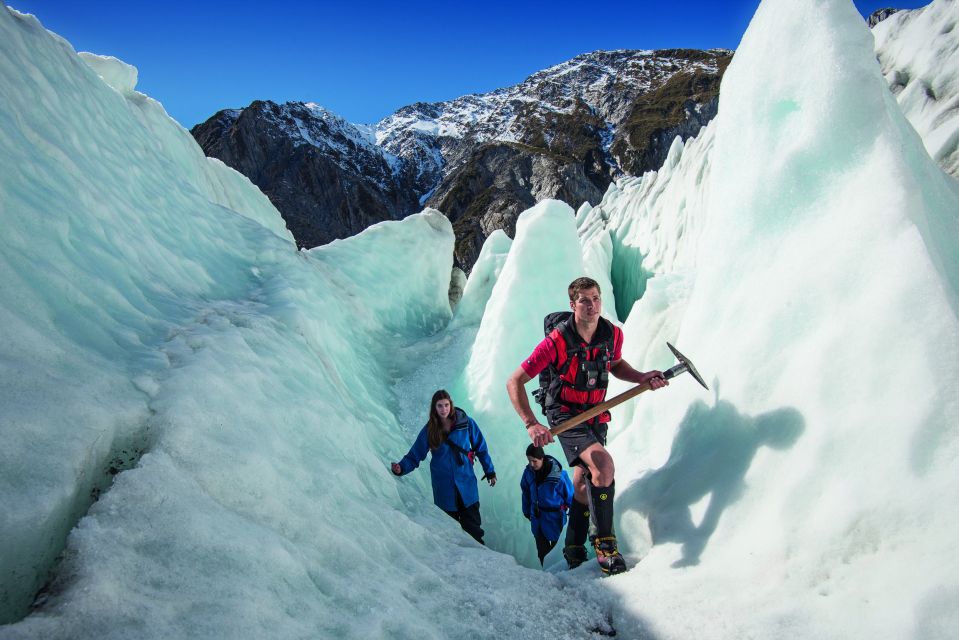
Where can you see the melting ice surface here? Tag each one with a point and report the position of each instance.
(233, 403)
(919, 57)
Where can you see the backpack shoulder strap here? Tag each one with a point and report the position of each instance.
(455, 447)
(571, 341)
(469, 438)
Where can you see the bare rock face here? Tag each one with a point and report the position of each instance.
(457, 286)
(324, 175)
(879, 15)
(681, 106)
(565, 132)
(499, 182)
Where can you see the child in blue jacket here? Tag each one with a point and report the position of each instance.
(547, 494)
(455, 440)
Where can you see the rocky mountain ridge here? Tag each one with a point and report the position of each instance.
(328, 178)
(606, 83)
(879, 15)
(565, 132)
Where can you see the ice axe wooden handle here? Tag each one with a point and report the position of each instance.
(684, 366)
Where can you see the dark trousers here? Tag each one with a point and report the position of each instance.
(543, 546)
(469, 518)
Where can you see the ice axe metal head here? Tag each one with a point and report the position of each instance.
(684, 366)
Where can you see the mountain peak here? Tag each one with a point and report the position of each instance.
(564, 132)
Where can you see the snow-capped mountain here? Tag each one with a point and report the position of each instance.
(439, 137)
(565, 132)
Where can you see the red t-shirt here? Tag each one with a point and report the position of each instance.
(549, 352)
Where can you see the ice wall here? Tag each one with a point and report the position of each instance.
(817, 294)
(919, 54)
(197, 418)
(86, 296)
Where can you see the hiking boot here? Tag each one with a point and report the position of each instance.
(575, 555)
(608, 556)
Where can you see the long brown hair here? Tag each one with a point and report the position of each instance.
(434, 428)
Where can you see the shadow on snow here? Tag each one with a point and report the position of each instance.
(710, 455)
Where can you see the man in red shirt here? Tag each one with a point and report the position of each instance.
(582, 350)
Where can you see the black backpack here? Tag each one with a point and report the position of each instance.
(550, 382)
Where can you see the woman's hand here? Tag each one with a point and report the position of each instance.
(491, 478)
(396, 469)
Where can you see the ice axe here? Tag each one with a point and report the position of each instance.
(683, 366)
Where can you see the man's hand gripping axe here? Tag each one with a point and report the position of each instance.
(683, 366)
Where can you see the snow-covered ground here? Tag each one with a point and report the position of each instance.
(234, 403)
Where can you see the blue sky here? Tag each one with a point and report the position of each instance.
(364, 60)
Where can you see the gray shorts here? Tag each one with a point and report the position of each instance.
(578, 438)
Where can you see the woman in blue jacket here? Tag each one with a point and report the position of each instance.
(547, 494)
(455, 440)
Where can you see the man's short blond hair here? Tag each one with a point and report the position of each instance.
(581, 284)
